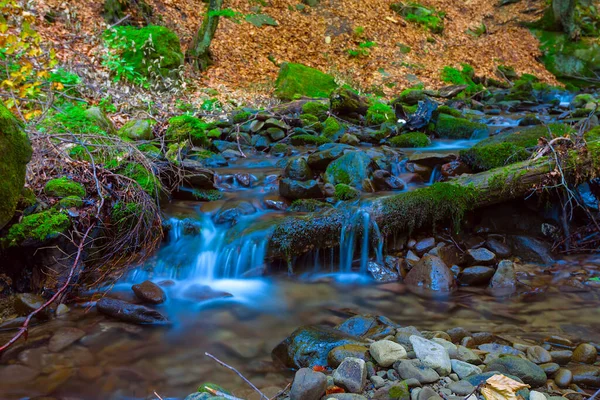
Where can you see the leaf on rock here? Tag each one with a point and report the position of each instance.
(500, 387)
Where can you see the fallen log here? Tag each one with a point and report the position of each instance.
(427, 206)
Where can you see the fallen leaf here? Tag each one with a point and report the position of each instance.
(500, 387)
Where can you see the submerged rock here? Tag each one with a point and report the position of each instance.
(128, 312)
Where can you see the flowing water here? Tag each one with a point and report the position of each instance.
(115, 360)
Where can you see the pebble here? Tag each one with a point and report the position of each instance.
(308, 385)
(415, 369)
(424, 245)
(377, 381)
(432, 354)
(533, 395)
(463, 369)
(461, 388)
(386, 352)
(149, 292)
(481, 256)
(561, 357)
(427, 393)
(550, 368)
(585, 353)
(563, 378)
(538, 355)
(351, 375)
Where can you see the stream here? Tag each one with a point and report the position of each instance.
(208, 246)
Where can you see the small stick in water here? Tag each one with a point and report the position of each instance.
(262, 395)
(221, 394)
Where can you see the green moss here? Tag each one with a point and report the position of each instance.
(509, 147)
(316, 108)
(409, 140)
(310, 121)
(241, 117)
(308, 205)
(581, 100)
(150, 52)
(399, 391)
(345, 192)
(592, 139)
(419, 14)
(124, 216)
(214, 133)
(146, 179)
(411, 96)
(207, 195)
(73, 119)
(138, 129)
(184, 127)
(380, 134)
(427, 206)
(16, 153)
(64, 187)
(297, 80)
(28, 198)
(449, 127)
(330, 127)
(443, 109)
(522, 90)
(380, 113)
(280, 149)
(462, 76)
(309, 139)
(70, 202)
(41, 226)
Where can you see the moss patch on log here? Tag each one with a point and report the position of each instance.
(41, 226)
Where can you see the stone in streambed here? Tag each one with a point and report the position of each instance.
(345, 396)
(340, 353)
(396, 391)
(461, 388)
(204, 293)
(149, 292)
(308, 385)
(431, 274)
(504, 281)
(476, 275)
(294, 190)
(586, 375)
(481, 256)
(464, 369)
(351, 375)
(432, 354)
(561, 357)
(416, 369)
(386, 352)
(538, 355)
(563, 377)
(25, 303)
(63, 338)
(527, 371)
(128, 312)
(358, 325)
(585, 353)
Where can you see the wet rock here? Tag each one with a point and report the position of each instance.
(309, 346)
(359, 325)
(351, 375)
(17, 374)
(432, 274)
(383, 180)
(149, 292)
(561, 357)
(231, 211)
(381, 273)
(451, 255)
(64, 337)
(481, 256)
(297, 168)
(327, 153)
(424, 245)
(294, 190)
(350, 139)
(464, 369)
(504, 281)
(497, 247)
(204, 293)
(386, 352)
(411, 259)
(455, 168)
(538, 355)
(531, 249)
(585, 353)
(550, 368)
(275, 205)
(431, 160)
(467, 355)
(25, 303)
(461, 388)
(396, 391)
(308, 385)
(427, 393)
(62, 309)
(587, 375)
(499, 349)
(527, 371)
(338, 354)
(275, 134)
(128, 312)
(563, 377)
(352, 169)
(476, 275)
(345, 396)
(533, 395)
(416, 369)
(432, 355)
(245, 180)
(450, 347)
(457, 334)
(261, 143)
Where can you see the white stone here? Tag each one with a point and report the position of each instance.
(432, 354)
(386, 352)
(533, 395)
(449, 346)
(464, 369)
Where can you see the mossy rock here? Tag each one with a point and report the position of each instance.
(280, 150)
(310, 121)
(443, 109)
(70, 202)
(331, 127)
(64, 187)
(345, 192)
(411, 96)
(449, 127)
(240, 117)
(300, 140)
(583, 99)
(40, 227)
(509, 147)
(316, 108)
(308, 205)
(380, 113)
(96, 116)
(149, 51)
(207, 194)
(16, 152)
(348, 104)
(411, 140)
(139, 129)
(351, 169)
(186, 127)
(297, 80)
(28, 198)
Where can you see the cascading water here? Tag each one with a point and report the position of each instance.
(360, 225)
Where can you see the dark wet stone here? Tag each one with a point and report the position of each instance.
(358, 325)
(15, 374)
(527, 371)
(381, 273)
(338, 354)
(497, 247)
(128, 312)
(297, 168)
(352, 168)
(457, 334)
(25, 303)
(550, 368)
(431, 274)
(482, 338)
(563, 377)
(461, 388)
(451, 255)
(504, 281)
(455, 168)
(561, 357)
(481, 256)
(424, 245)
(293, 190)
(204, 293)
(149, 292)
(275, 205)
(308, 385)
(415, 369)
(431, 160)
(309, 346)
(531, 249)
(327, 153)
(495, 348)
(351, 375)
(231, 211)
(383, 180)
(585, 353)
(476, 275)
(587, 375)
(260, 143)
(245, 179)
(64, 337)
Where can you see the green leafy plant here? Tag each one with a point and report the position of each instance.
(419, 14)
(362, 50)
(462, 76)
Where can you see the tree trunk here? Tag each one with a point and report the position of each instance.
(421, 208)
(564, 15)
(199, 51)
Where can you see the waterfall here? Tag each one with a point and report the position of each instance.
(360, 225)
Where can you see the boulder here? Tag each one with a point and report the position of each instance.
(128, 312)
(327, 153)
(359, 325)
(351, 169)
(297, 168)
(481, 256)
(16, 153)
(476, 275)
(430, 273)
(139, 129)
(293, 189)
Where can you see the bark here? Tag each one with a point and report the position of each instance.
(564, 15)
(199, 52)
(421, 208)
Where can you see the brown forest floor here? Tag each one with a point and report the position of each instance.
(242, 51)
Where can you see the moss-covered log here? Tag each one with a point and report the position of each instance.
(426, 206)
(199, 51)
